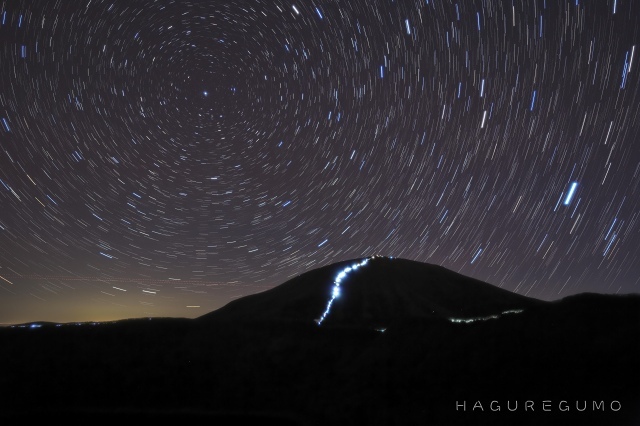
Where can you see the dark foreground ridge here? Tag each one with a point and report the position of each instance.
(448, 355)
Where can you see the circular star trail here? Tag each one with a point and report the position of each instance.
(165, 157)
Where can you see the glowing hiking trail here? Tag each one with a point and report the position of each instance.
(336, 286)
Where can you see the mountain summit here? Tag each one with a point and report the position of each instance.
(376, 291)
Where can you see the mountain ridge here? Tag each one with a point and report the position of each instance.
(383, 291)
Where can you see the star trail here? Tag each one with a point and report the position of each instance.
(161, 158)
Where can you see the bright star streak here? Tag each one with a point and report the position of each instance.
(533, 100)
(476, 256)
(567, 200)
(4, 279)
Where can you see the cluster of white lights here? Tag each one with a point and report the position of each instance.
(35, 325)
(469, 320)
(31, 326)
(336, 286)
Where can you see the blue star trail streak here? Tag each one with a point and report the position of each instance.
(335, 293)
(572, 191)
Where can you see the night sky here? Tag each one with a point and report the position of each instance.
(161, 158)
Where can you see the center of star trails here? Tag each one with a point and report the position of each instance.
(335, 293)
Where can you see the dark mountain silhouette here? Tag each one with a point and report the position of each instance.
(381, 293)
(263, 360)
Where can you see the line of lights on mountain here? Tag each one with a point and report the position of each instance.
(490, 317)
(335, 293)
